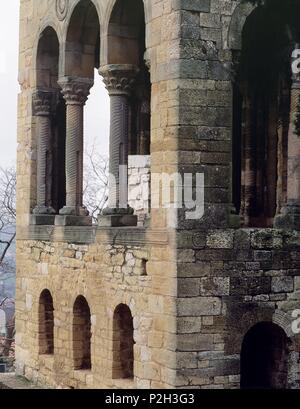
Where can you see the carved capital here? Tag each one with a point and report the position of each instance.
(75, 90)
(43, 102)
(119, 79)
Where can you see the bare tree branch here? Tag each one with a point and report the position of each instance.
(95, 180)
(7, 237)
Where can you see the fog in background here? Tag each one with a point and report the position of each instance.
(96, 111)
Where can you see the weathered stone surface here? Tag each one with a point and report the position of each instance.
(282, 284)
(198, 306)
(194, 287)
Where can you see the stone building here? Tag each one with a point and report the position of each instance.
(168, 301)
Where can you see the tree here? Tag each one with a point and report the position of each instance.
(7, 237)
(7, 210)
(95, 191)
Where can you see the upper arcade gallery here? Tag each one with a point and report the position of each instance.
(64, 71)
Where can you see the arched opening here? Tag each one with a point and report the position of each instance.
(46, 324)
(82, 48)
(52, 127)
(127, 79)
(123, 343)
(261, 112)
(96, 150)
(264, 357)
(82, 55)
(127, 46)
(81, 334)
(47, 59)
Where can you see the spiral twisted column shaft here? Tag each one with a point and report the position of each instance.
(42, 109)
(119, 81)
(75, 92)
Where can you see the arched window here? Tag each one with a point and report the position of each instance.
(126, 45)
(262, 113)
(81, 57)
(123, 343)
(82, 334)
(127, 80)
(46, 324)
(264, 357)
(49, 110)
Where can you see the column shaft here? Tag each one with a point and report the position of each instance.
(248, 171)
(74, 156)
(42, 107)
(119, 80)
(75, 92)
(293, 186)
(43, 180)
(118, 148)
(289, 216)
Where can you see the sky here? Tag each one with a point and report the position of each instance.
(96, 111)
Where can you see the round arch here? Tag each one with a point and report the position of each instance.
(82, 40)
(265, 357)
(124, 32)
(47, 57)
(47, 23)
(82, 334)
(239, 17)
(46, 323)
(123, 343)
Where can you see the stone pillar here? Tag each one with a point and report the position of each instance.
(248, 171)
(289, 216)
(234, 219)
(75, 92)
(43, 213)
(119, 80)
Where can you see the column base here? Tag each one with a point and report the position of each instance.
(74, 211)
(71, 220)
(117, 217)
(289, 218)
(42, 219)
(234, 219)
(43, 210)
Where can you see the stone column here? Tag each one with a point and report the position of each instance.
(43, 101)
(234, 219)
(249, 171)
(289, 216)
(75, 92)
(119, 80)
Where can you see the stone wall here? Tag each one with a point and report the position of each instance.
(139, 170)
(194, 291)
(228, 281)
(106, 275)
(70, 261)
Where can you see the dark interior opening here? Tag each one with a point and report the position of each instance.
(82, 334)
(123, 343)
(264, 358)
(261, 112)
